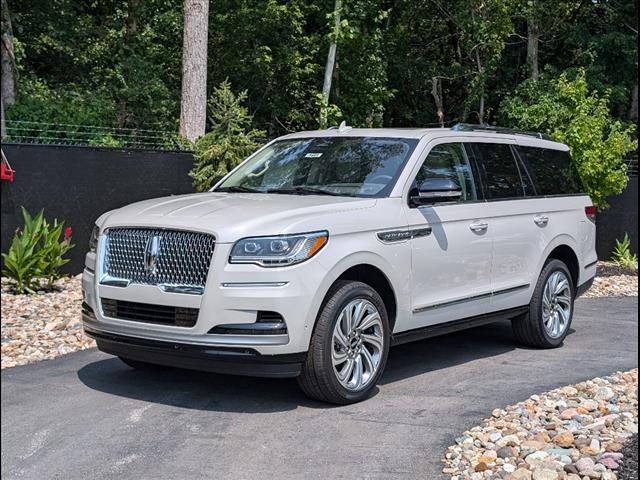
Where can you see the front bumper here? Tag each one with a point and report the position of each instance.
(233, 361)
(233, 298)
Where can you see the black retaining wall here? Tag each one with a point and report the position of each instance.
(78, 184)
(621, 217)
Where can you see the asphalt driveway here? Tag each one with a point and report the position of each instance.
(87, 415)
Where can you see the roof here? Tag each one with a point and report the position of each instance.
(522, 138)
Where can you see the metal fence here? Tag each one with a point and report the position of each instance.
(42, 133)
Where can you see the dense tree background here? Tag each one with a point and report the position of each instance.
(118, 62)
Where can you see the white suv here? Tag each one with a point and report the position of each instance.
(325, 248)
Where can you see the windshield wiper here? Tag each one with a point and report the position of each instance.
(300, 190)
(237, 189)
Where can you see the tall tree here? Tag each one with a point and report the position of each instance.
(8, 88)
(193, 106)
(331, 61)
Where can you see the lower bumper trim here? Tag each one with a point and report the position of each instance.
(581, 290)
(230, 360)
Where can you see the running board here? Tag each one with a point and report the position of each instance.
(455, 326)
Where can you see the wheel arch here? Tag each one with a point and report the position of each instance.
(563, 248)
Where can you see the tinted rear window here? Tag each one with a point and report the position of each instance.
(553, 171)
(499, 170)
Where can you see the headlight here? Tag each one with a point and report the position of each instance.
(279, 250)
(93, 239)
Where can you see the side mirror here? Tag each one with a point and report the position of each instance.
(435, 190)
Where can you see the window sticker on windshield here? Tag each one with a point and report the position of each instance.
(313, 155)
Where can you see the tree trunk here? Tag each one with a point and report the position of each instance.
(193, 105)
(633, 108)
(533, 42)
(481, 74)
(331, 60)
(9, 71)
(436, 91)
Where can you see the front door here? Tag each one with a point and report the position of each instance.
(451, 267)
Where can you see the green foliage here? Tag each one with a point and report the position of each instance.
(36, 253)
(622, 254)
(117, 63)
(565, 109)
(230, 140)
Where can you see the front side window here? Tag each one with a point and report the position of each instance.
(553, 171)
(450, 161)
(499, 170)
(349, 166)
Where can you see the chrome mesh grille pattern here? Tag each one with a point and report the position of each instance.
(183, 258)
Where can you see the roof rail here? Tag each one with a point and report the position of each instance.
(468, 127)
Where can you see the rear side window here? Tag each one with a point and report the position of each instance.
(552, 171)
(499, 170)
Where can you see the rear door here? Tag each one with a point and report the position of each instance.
(517, 221)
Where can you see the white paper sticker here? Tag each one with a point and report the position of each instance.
(313, 155)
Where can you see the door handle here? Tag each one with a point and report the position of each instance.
(541, 220)
(478, 227)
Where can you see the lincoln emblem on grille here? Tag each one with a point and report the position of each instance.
(151, 252)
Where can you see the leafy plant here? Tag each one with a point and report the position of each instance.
(622, 254)
(36, 252)
(565, 109)
(230, 140)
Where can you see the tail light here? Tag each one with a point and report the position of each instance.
(590, 212)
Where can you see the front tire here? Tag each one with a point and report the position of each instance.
(547, 322)
(349, 346)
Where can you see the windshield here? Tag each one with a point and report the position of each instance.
(350, 166)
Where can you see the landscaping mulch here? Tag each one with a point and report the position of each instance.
(629, 465)
(577, 432)
(613, 280)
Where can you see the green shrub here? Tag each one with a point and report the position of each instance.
(36, 253)
(622, 254)
(565, 109)
(230, 140)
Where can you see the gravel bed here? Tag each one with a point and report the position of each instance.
(575, 432)
(42, 326)
(613, 281)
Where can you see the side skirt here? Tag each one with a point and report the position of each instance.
(454, 326)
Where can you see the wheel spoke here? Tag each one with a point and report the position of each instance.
(369, 321)
(357, 372)
(338, 358)
(562, 285)
(373, 340)
(344, 375)
(358, 312)
(368, 362)
(564, 299)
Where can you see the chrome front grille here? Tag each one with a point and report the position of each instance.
(175, 260)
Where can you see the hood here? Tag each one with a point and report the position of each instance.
(230, 216)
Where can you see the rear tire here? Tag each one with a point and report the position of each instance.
(349, 345)
(140, 365)
(548, 319)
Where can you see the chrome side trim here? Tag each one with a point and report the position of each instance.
(393, 236)
(469, 299)
(253, 284)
